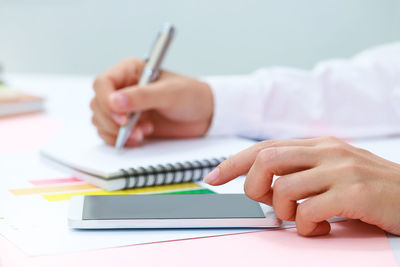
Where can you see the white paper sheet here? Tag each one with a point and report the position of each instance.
(39, 227)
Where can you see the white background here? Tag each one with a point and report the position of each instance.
(214, 36)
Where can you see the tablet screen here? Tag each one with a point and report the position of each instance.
(195, 206)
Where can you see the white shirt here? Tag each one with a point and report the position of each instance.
(358, 97)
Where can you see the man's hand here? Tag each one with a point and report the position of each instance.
(334, 178)
(172, 106)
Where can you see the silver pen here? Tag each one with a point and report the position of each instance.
(150, 73)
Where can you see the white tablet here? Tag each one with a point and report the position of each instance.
(169, 211)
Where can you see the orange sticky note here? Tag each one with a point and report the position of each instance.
(51, 189)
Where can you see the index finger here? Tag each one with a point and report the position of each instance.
(241, 163)
(125, 73)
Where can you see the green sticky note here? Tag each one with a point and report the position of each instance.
(195, 191)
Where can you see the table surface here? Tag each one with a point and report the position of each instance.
(61, 90)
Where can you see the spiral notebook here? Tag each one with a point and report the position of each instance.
(155, 162)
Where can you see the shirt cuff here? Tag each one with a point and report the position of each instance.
(235, 110)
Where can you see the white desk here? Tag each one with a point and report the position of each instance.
(68, 101)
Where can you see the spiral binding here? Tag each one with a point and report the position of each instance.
(178, 172)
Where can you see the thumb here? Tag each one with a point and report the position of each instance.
(138, 98)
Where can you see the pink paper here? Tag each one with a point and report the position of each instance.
(351, 243)
(25, 133)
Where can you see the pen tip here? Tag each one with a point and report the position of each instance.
(117, 146)
(121, 138)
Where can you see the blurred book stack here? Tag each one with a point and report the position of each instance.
(13, 102)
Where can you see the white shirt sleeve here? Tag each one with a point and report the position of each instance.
(358, 97)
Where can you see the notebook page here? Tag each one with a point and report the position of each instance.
(89, 154)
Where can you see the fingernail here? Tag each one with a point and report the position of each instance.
(120, 99)
(119, 119)
(137, 135)
(147, 128)
(212, 177)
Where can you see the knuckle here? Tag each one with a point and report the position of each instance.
(350, 168)
(304, 211)
(138, 96)
(331, 139)
(336, 149)
(356, 191)
(265, 143)
(98, 82)
(94, 121)
(93, 104)
(253, 193)
(281, 188)
(281, 200)
(364, 152)
(269, 144)
(267, 154)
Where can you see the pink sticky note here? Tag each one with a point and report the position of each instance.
(55, 181)
(350, 243)
(25, 133)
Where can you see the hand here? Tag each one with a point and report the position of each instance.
(172, 106)
(334, 178)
